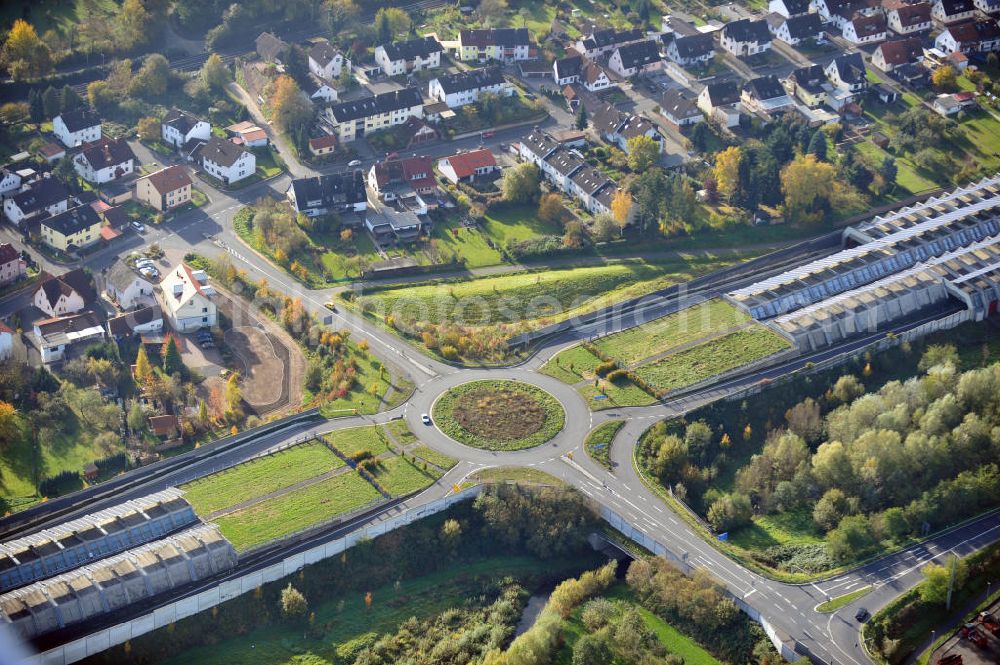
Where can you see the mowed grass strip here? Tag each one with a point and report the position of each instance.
(436, 458)
(296, 510)
(671, 331)
(353, 439)
(712, 358)
(399, 476)
(572, 365)
(259, 477)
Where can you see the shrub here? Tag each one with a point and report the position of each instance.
(605, 368)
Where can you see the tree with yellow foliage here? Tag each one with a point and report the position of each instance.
(621, 209)
(727, 170)
(290, 109)
(143, 368)
(148, 129)
(808, 185)
(945, 78)
(24, 54)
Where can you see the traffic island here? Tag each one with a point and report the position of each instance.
(499, 415)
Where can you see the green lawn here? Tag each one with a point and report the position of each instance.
(60, 15)
(353, 439)
(791, 528)
(360, 399)
(515, 474)
(614, 395)
(468, 244)
(296, 510)
(399, 477)
(434, 457)
(268, 164)
(520, 222)
(683, 327)
(339, 265)
(198, 197)
(571, 365)
(712, 358)
(259, 477)
(835, 604)
(401, 432)
(908, 177)
(598, 442)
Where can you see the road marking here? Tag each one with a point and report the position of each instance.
(749, 593)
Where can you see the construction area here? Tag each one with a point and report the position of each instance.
(935, 261)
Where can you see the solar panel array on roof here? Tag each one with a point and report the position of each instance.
(116, 582)
(92, 537)
(888, 245)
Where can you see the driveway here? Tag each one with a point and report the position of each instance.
(296, 168)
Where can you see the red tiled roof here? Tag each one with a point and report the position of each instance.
(901, 51)
(50, 150)
(328, 141)
(466, 163)
(108, 233)
(8, 253)
(169, 179)
(4, 328)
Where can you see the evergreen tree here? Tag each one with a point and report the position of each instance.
(888, 170)
(51, 102)
(172, 363)
(701, 135)
(36, 110)
(384, 29)
(581, 117)
(70, 100)
(202, 412)
(817, 145)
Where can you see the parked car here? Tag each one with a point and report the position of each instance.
(488, 134)
(138, 226)
(354, 162)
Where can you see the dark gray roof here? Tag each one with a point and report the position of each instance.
(383, 103)
(79, 119)
(590, 180)
(565, 162)
(745, 30)
(797, 6)
(639, 54)
(508, 37)
(850, 67)
(106, 152)
(222, 152)
(678, 105)
(472, 79)
(333, 190)
(270, 47)
(765, 87)
(323, 52)
(805, 26)
(720, 94)
(694, 46)
(122, 326)
(121, 276)
(423, 47)
(953, 7)
(567, 67)
(182, 121)
(540, 143)
(42, 194)
(73, 220)
(602, 38)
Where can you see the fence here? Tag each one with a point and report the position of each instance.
(102, 640)
(782, 642)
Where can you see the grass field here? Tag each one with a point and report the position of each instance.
(712, 358)
(835, 604)
(515, 474)
(469, 245)
(353, 439)
(514, 223)
(683, 327)
(614, 395)
(571, 366)
(58, 15)
(440, 460)
(259, 477)
(598, 442)
(296, 510)
(398, 476)
(359, 399)
(400, 432)
(791, 528)
(499, 415)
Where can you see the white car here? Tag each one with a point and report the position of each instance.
(354, 162)
(138, 226)
(425, 419)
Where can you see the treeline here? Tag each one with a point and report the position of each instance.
(868, 469)
(499, 522)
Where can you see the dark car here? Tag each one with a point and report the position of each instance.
(862, 615)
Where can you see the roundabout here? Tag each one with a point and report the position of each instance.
(499, 414)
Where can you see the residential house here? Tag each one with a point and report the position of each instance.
(680, 108)
(10, 181)
(839, 12)
(6, 341)
(635, 58)
(745, 37)
(51, 152)
(227, 161)
(847, 72)
(913, 75)
(947, 105)
(326, 61)
(320, 91)
(617, 127)
(952, 11)
(691, 50)
(74, 128)
(885, 94)
(988, 7)
(599, 42)
(391, 225)
(766, 96)
(503, 44)
(866, 28)
(187, 299)
(323, 146)
(789, 8)
(403, 182)
(562, 166)
(536, 148)
(248, 134)
(143, 321)
(468, 166)
(796, 29)
(12, 266)
(45, 196)
(165, 427)
(893, 53)
(436, 112)
(180, 128)
(413, 55)
(127, 288)
(593, 189)
(271, 48)
(165, 189)
(361, 117)
(567, 70)
(908, 19)
(335, 192)
(465, 87)
(104, 160)
(74, 229)
(56, 337)
(416, 131)
(66, 294)
(809, 85)
(722, 102)
(969, 37)
(594, 78)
